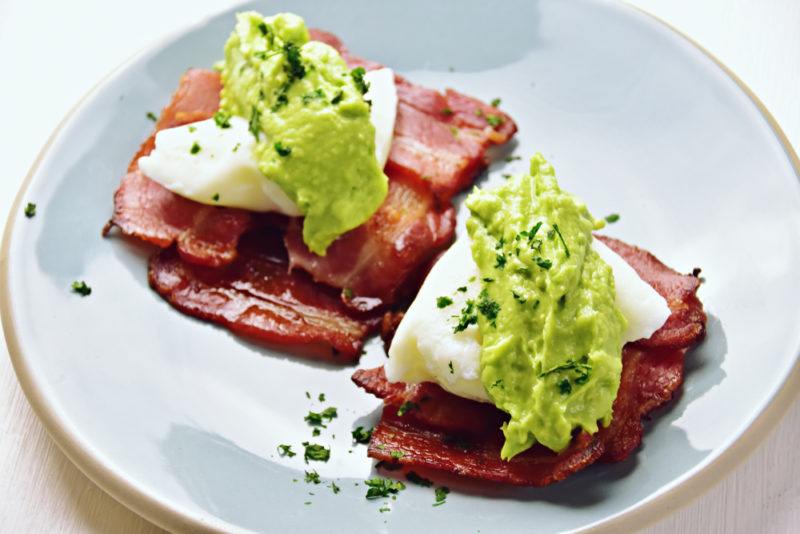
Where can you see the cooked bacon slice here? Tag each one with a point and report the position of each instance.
(256, 296)
(377, 260)
(449, 433)
(143, 208)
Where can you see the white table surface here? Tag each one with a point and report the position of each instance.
(53, 52)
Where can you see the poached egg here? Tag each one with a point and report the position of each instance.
(216, 166)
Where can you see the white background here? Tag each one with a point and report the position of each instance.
(51, 53)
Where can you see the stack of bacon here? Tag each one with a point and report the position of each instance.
(252, 272)
(440, 431)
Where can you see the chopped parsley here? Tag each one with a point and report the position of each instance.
(215, 198)
(447, 112)
(81, 288)
(263, 28)
(192, 129)
(564, 387)
(236, 147)
(462, 289)
(495, 102)
(312, 477)
(488, 307)
(152, 116)
(506, 176)
(498, 384)
(561, 237)
(396, 454)
(254, 126)
(612, 218)
(334, 488)
(294, 69)
(494, 120)
(384, 509)
(443, 302)
(337, 98)
(315, 418)
(500, 261)
(286, 450)
(30, 210)
(316, 432)
(282, 151)
(581, 368)
(317, 94)
(467, 317)
(222, 119)
(450, 366)
(358, 77)
(347, 293)
(362, 435)
(543, 263)
(382, 487)
(195, 148)
(420, 481)
(488, 280)
(509, 159)
(321, 397)
(405, 408)
(316, 452)
(518, 297)
(441, 495)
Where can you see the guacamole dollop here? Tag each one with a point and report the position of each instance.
(307, 111)
(551, 330)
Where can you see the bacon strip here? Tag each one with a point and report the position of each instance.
(143, 208)
(378, 259)
(256, 296)
(449, 433)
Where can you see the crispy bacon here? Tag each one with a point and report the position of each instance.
(258, 297)
(377, 260)
(449, 433)
(143, 208)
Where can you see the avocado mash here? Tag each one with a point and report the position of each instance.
(551, 331)
(307, 112)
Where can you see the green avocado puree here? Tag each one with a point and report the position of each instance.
(307, 110)
(551, 331)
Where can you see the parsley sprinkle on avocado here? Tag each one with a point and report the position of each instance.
(81, 288)
(316, 452)
(382, 487)
(295, 69)
(30, 210)
(612, 218)
(282, 151)
(254, 126)
(195, 148)
(488, 307)
(467, 317)
(561, 237)
(358, 77)
(337, 98)
(443, 302)
(361, 435)
(441, 495)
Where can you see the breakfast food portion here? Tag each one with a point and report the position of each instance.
(534, 347)
(298, 191)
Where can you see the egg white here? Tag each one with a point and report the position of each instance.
(425, 348)
(222, 171)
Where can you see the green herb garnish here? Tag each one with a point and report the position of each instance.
(362, 435)
(561, 237)
(222, 119)
(443, 302)
(254, 126)
(152, 116)
(467, 317)
(612, 218)
(450, 366)
(286, 450)
(358, 77)
(488, 307)
(543, 263)
(295, 70)
(495, 102)
(316, 452)
(382, 487)
(441, 495)
(282, 151)
(334, 488)
(312, 477)
(494, 120)
(337, 98)
(81, 288)
(195, 148)
(30, 210)
(405, 408)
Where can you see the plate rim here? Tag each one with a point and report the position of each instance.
(173, 518)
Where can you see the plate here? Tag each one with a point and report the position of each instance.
(180, 420)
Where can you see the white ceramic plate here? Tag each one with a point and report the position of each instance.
(180, 420)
